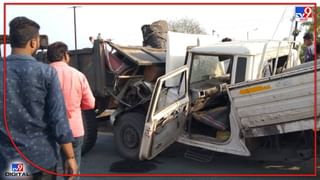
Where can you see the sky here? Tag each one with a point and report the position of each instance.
(122, 23)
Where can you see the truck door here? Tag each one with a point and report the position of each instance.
(167, 114)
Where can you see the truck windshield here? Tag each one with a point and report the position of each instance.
(210, 66)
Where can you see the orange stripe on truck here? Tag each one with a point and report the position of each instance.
(255, 89)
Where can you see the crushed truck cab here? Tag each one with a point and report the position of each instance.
(237, 98)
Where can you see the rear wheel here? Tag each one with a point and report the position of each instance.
(90, 124)
(128, 133)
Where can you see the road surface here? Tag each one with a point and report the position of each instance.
(104, 159)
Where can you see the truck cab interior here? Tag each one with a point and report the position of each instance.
(209, 101)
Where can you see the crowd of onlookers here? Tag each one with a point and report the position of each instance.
(43, 106)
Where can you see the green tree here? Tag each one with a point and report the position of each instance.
(186, 25)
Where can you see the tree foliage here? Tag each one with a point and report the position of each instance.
(186, 25)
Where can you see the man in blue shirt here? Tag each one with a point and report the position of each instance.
(309, 51)
(35, 109)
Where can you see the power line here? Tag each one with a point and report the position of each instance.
(275, 31)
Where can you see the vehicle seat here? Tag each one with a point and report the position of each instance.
(217, 118)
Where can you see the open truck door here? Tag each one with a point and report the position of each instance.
(166, 116)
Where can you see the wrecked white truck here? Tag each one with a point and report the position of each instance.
(242, 98)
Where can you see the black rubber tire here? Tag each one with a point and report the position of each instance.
(90, 124)
(127, 134)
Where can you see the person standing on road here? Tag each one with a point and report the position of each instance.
(309, 51)
(35, 109)
(76, 91)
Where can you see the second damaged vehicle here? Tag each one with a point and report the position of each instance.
(243, 98)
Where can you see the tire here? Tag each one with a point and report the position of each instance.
(90, 124)
(127, 134)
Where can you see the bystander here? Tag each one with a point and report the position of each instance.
(35, 109)
(76, 91)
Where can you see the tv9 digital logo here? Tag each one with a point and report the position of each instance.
(303, 13)
(17, 167)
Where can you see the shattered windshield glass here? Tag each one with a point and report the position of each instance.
(210, 66)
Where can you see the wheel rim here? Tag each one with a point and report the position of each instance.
(130, 137)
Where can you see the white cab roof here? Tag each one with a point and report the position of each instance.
(242, 47)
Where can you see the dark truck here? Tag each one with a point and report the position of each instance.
(120, 78)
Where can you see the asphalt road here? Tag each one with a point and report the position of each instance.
(104, 159)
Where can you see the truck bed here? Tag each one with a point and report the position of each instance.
(141, 56)
(281, 99)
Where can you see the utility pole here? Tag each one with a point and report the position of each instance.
(75, 25)
(250, 31)
(295, 33)
(213, 31)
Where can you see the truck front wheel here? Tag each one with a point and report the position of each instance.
(127, 134)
